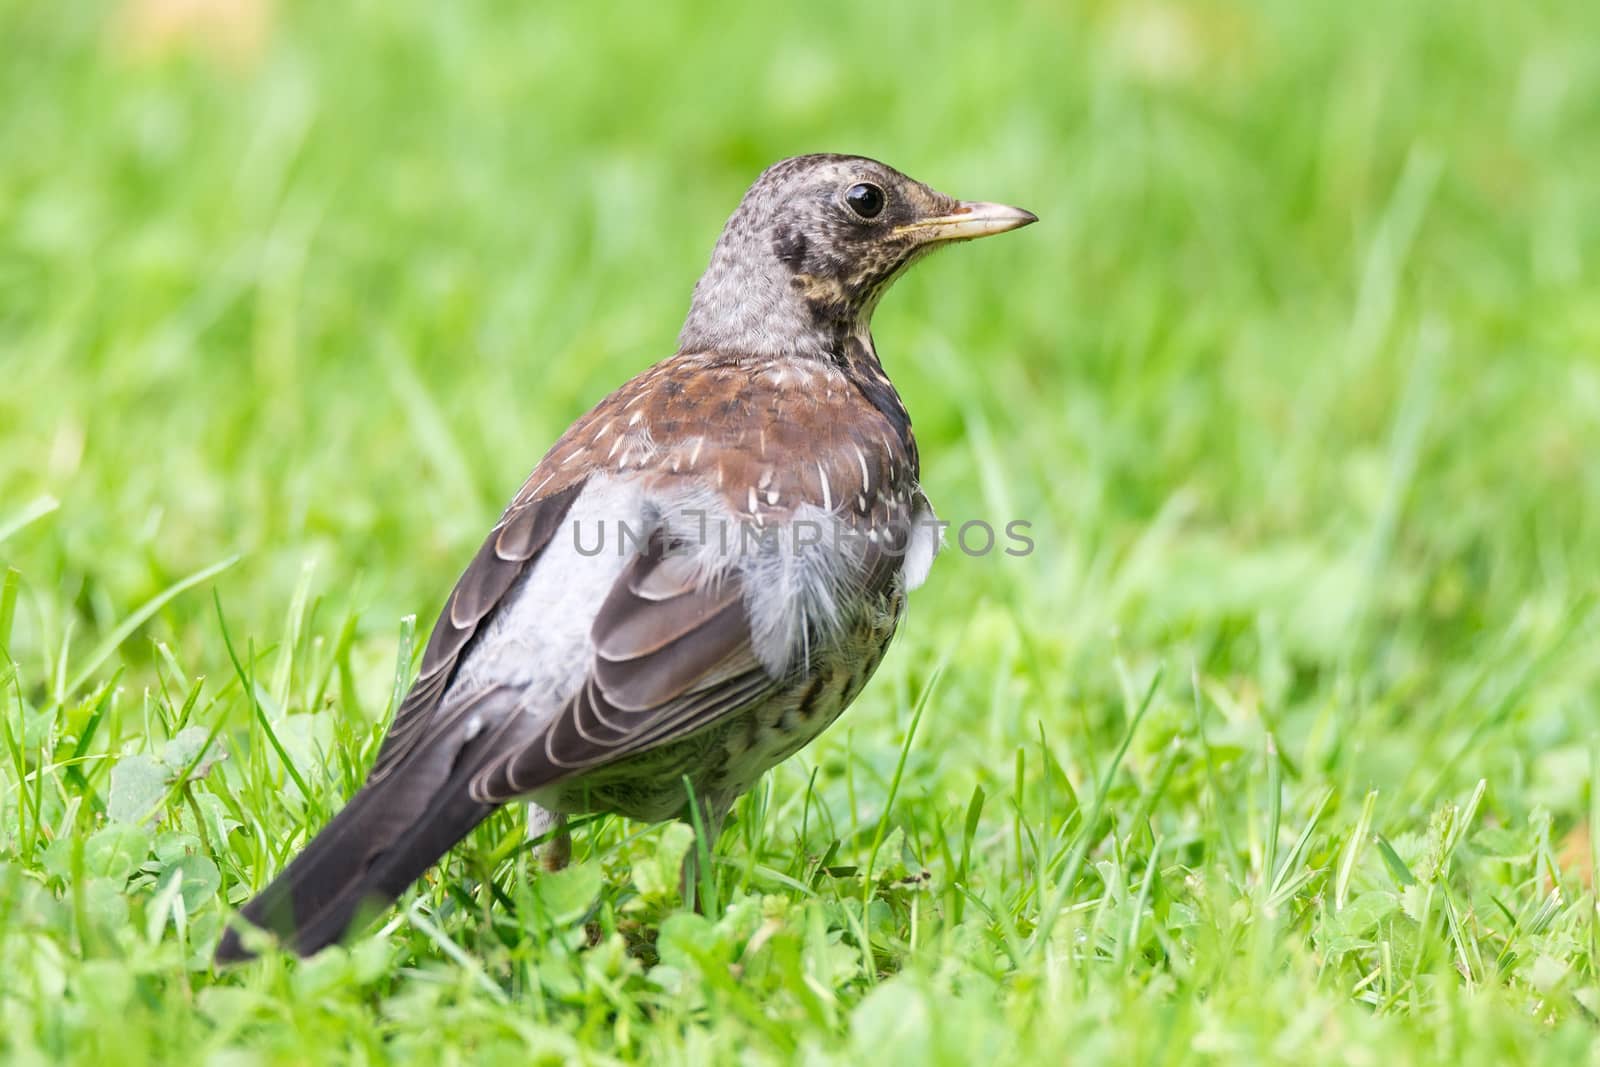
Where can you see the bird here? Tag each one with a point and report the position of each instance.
(694, 582)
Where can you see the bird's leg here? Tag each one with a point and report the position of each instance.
(706, 818)
(554, 854)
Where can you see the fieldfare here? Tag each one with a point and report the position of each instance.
(696, 579)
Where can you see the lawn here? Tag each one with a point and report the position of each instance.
(1280, 745)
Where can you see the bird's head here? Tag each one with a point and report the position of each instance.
(815, 243)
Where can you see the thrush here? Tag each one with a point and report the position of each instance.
(696, 579)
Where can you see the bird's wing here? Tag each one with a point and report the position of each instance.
(506, 554)
(672, 654)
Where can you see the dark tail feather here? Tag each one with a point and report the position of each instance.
(383, 840)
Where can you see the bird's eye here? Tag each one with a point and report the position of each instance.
(865, 199)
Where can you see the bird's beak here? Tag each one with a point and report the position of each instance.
(971, 218)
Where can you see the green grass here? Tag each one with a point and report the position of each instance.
(1280, 746)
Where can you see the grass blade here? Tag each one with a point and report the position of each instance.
(115, 638)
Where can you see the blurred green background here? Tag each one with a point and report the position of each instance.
(1297, 381)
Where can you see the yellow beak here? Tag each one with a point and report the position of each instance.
(971, 218)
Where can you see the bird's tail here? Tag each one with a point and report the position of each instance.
(392, 831)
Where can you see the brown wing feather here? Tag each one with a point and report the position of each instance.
(503, 558)
(672, 655)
